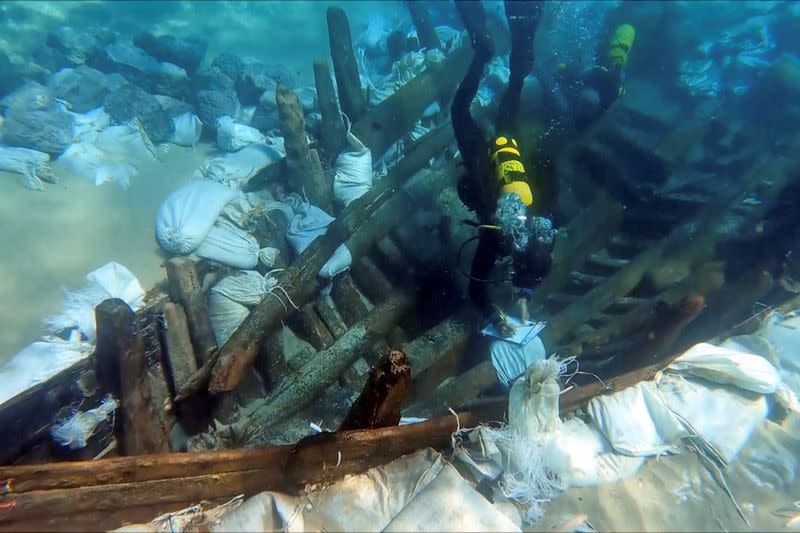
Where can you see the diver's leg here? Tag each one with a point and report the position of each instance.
(482, 263)
(469, 136)
(522, 16)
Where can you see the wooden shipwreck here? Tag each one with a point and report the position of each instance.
(643, 269)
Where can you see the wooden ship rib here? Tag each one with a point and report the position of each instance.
(643, 269)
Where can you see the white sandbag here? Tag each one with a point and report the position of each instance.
(449, 503)
(30, 163)
(225, 316)
(721, 415)
(123, 143)
(232, 137)
(230, 245)
(87, 126)
(237, 168)
(39, 362)
(726, 366)
(230, 300)
(337, 263)
(112, 280)
(186, 216)
(511, 360)
(76, 429)
(118, 282)
(85, 160)
(308, 223)
(636, 422)
(370, 501)
(187, 129)
(353, 171)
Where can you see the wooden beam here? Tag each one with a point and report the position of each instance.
(180, 354)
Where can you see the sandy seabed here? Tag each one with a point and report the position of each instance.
(52, 239)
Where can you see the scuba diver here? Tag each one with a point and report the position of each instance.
(603, 84)
(497, 185)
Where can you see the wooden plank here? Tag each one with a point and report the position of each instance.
(185, 288)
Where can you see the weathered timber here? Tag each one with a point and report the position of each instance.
(180, 354)
(120, 347)
(303, 164)
(371, 280)
(303, 387)
(347, 299)
(397, 114)
(308, 325)
(345, 67)
(333, 131)
(185, 288)
(271, 361)
(380, 402)
(300, 279)
(426, 33)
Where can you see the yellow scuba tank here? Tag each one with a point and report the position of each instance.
(509, 170)
(620, 45)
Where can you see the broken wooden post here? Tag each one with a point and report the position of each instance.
(345, 67)
(347, 299)
(426, 32)
(300, 279)
(120, 347)
(303, 164)
(333, 131)
(303, 387)
(185, 289)
(180, 354)
(383, 396)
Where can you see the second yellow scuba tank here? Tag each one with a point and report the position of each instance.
(620, 45)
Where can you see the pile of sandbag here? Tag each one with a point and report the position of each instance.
(204, 217)
(714, 396)
(232, 298)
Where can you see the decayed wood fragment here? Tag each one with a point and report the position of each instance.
(383, 396)
(185, 288)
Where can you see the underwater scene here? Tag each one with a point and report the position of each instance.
(409, 265)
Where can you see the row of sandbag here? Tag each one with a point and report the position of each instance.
(100, 152)
(43, 359)
(715, 396)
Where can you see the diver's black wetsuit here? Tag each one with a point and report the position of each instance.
(607, 83)
(476, 189)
